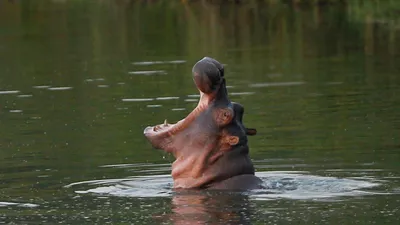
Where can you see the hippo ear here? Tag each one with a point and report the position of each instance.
(239, 111)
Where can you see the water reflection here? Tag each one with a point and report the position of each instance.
(296, 190)
(191, 207)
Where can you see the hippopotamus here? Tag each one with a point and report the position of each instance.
(210, 145)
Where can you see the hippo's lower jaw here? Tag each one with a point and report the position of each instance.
(160, 136)
(210, 144)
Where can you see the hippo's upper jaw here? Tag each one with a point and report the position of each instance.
(210, 144)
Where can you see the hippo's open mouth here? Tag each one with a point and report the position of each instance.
(208, 75)
(157, 133)
(210, 143)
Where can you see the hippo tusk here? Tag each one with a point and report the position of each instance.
(165, 122)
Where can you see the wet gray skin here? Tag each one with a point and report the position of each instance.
(210, 145)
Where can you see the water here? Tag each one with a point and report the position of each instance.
(80, 80)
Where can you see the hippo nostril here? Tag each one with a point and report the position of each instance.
(207, 75)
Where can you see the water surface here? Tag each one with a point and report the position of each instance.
(80, 80)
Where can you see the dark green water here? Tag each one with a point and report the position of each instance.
(80, 80)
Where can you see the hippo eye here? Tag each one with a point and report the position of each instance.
(223, 116)
(226, 114)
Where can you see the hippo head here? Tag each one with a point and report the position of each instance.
(209, 144)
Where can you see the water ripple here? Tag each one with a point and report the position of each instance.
(9, 92)
(24, 96)
(148, 72)
(166, 98)
(298, 186)
(276, 84)
(94, 79)
(142, 186)
(146, 63)
(153, 106)
(178, 109)
(137, 99)
(41, 86)
(241, 93)
(59, 88)
(295, 185)
(15, 111)
(148, 99)
(27, 205)
(191, 100)
(194, 96)
(136, 165)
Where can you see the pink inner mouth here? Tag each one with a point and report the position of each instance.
(171, 129)
(163, 126)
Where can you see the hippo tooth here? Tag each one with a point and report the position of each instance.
(165, 122)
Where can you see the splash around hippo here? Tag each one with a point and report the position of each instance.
(209, 144)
